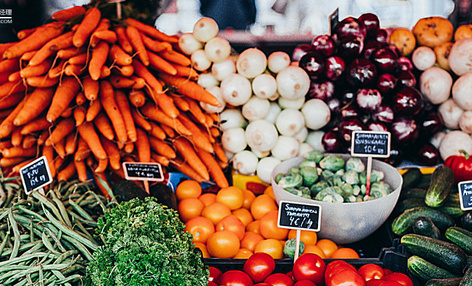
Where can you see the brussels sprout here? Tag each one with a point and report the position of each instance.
(337, 181)
(314, 155)
(309, 174)
(305, 190)
(307, 163)
(337, 190)
(294, 191)
(339, 172)
(318, 187)
(355, 164)
(363, 190)
(290, 247)
(329, 195)
(347, 189)
(379, 189)
(350, 199)
(327, 175)
(332, 162)
(290, 180)
(278, 177)
(375, 176)
(306, 196)
(356, 190)
(351, 177)
(294, 170)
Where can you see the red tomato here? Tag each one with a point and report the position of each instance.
(387, 271)
(374, 282)
(215, 274)
(335, 266)
(258, 266)
(390, 283)
(235, 278)
(262, 284)
(304, 283)
(211, 283)
(309, 266)
(346, 277)
(371, 271)
(279, 279)
(401, 278)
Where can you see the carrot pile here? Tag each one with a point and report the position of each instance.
(90, 93)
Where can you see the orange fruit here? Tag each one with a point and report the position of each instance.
(244, 215)
(345, 253)
(261, 205)
(271, 246)
(248, 198)
(328, 246)
(312, 248)
(254, 226)
(233, 224)
(203, 249)
(308, 237)
(188, 189)
(243, 253)
(215, 212)
(189, 208)
(231, 196)
(269, 191)
(207, 198)
(250, 240)
(200, 228)
(269, 228)
(223, 244)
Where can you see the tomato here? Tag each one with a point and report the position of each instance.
(335, 266)
(401, 278)
(346, 277)
(304, 283)
(258, 266)
(309, 266)
(374, 282)
(370, 271)
(262, 284)
(211, 283)
(215, 274)
(279, 279)
(387, 271)
(235, 278)
(390, 283)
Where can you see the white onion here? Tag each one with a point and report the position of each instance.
(255, 108)
(302, 134)
(314, 139)
(207, 80)
(251, 63)
(215, 90)
(188, 44)
(290, 121)
(304, 149)
(236, 89)
(199, 60)
(231, 118)
(274, 111)
(465, 121)
(436, 139)
(264, 86)
(296, 103)
(453, 142)
(205, 29)
(260, 154)
(217, 49)
(435, 84)
(293, 82)
(450, 113)
(223, 69)
(285, 148)
(462, 91)
(423, 57)
(277, 61)
(234, 139)
(245, 162)
(317, 113)
(265, 167)
(261, 135)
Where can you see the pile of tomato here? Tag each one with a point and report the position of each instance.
(308, 270)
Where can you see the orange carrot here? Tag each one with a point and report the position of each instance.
(91, 88)
(24, 33)
(16, 168)
(176, 57)
(18, 151)
(35, 104)
(129, 147)
(28, 55)
(125, 110)
(163, 160)
(103, 25)
(86, 27)
(63, 95)
(63, 41)
(83, 150)
(28, 141)
(69, 13)
(220, 153)
(161, 64)
(137, 98)
(156, 46)
(103, 125)
(198, 137)
(102, 165)
(162, 148)
(70, 52)
(136, 41)
(180, 102)
(213, 167)
(60, 148)
(39, 69)
(123, 39)
(58, 69)
(140, 120)
(42, 137)
(80, 98)
(197, 111)
(5, 144)
(42, 81)
(68, 112)
(186, 72)
(48, 152)
(4, 77)
(10, 162)
(14, 77)
(155, 114)
(16, 137)
(93, 109)
(11, 100)
(151, 31)
(61, 130)
(214, 132)
(157, 131)
(143, 146)
(70, 144)
(107, 98)
(169, 131)
(73, 70)
(78, 59)
(143, 72)
(7, 126)
(105, 71)
(99, 56)
(166, 104)
(102, 183)
(9, 65)
(119, 56)
(119, 81)
(186, 150)
(90, 136)
(105, 35)
(79, 115)
(186, 169)
(81, 170)
(113, 153)
(9, 88)
(66, 173)
(127, 70)
(35, 125)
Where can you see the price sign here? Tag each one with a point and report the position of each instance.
(370, 143)
(143, 171)
(333, 20)
(465, 195)
(299, 216)
(35, 175)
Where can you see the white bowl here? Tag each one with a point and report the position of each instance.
(347, 222)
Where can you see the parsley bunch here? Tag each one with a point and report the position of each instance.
(145, 243)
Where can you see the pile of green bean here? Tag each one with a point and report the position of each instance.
(49, 239)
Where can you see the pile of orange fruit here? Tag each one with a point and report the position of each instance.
(235, 223)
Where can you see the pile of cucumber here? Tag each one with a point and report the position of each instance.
(437, 233)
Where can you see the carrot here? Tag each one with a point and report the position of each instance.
(154, 113)
(28, 55)
(61, 130)
(68, 112)
(157, 131)
(129, 147)
(151, 31)
(9, 65)
(42, 81)
(73, 70)
(119, 81)
(42, 137)
(79, 115)
(162, 148)
(198, 137)
(152, 81)
(35, 125)
(127, 70)
(113, 153)
(94, 108)
(48, 152)
(190, 156)
(4, 77)
(197, 111)
(70, 144)
(102, 183)
(80, 98)
(7, 126)
(137, 98)
(60, 148)
(16, 168)
(16, 137)
(102, 165)
(18, 151)
(80, 59)
(161, 64)
(35, 104)
(63, 95)
(90, 136)
(180, 102)
(63, 41)
(9, 88)
(14, 77)
(140, 120)
(37, 39)
(67, 53)
(102, 123)
(166, 104)
(186, 169)
(186, 72)
(36, 70)
(5, 112)
(176, 57)
(81, 170)
(99, 56)
(107, 98)
(190, 89)
(105, 71)
(66, 173)
(163, 160)
(123, 39)
(103, 25)
(105, 35)
(214, 168)
(28, 141)
(143, 146)
(86, 27)
(24, 33)
(155, 46)
(169, 131)
(220, 152)
(119, 56)
(83, 150)
(11, 100)
(10, 162)
(69, 13)
(136, 41)
(125, 110)
(58, 69)
(91, 88)
(5, 144)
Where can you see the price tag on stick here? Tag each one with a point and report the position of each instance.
(370, 144)
(36, 175)
(143, 172)
(465, 195)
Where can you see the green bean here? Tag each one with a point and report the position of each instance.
(74, 268)
(75, 216)
(4, 241)
(71, 278)
(65, 255)
(3, 195)
(79, 246)
(48, 244)
(37, 246)
(16, 235)
(84, 231)
(14, 267)
(46, 202)
(30, 212)
(35, 269)
(56, 240)
(23, 258)
(61, 208)
(80, 210)
(24, 237)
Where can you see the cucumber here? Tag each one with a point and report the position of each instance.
(403, 223)
(426, 270)
(466, 220)
(411, 178)
(443, 282)
(440, 187)
(425, 226)
(461, 237)
(413, 193)
(467, 278)
(405, 204)
(444, 254)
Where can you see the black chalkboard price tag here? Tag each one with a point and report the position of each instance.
(370, 144)
(465, 195)
(299, 216)
(143, 171)
(35, 175)
(333, 21)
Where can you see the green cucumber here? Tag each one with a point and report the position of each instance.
(425, 226)
(443, 282)
(426, 270)
(413, 193)
(461, 237)
(466, 220)
(444, 254)
(405, 204)
(403, 223)
(440, 187)
(467, 278)
(411, 178)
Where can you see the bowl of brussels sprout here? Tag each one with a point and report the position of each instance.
(337, 183)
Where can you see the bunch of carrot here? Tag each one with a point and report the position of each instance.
(90, 93)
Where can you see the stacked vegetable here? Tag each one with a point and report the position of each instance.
(91, 90)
